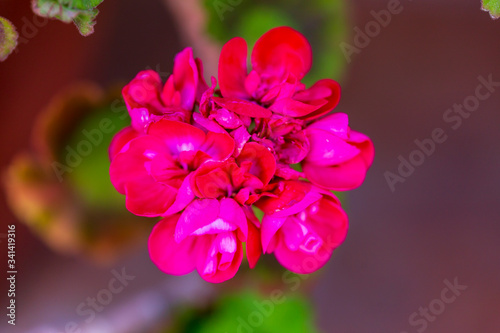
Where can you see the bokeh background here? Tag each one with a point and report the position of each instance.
(442, 223)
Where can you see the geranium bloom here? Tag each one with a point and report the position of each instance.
(280, 59)
(339, 157)
(302, 226)
(202, 157)
(152, 169)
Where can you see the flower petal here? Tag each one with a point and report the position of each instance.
(120, 141)
(202, 84)
(130, 165)
(186, 78)
(254, 244)
(328, 149)
(293, 197)
(317, 94)
(263, 161)
(229, 269)
(342, 177)
(184, 196)
(171, 257)
(363, 143)
(242, 107)
(207, 124)
(281, 51)
(293, 108)
(323, 227)
(233, 69)
(338, 124)
(231, 211)
(269, 228)
(142, 118)
(144, 91)
(177, 136)
(201, 217)
(218, 146)
(149, 198)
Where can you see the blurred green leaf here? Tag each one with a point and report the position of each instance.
(493, 7)
(85, 22)
(80, 12)
(8, 38)
(323, 22)
(249, 311)
(258, 213)
(296, 167)
(91, 176)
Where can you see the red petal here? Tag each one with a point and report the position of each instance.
(363, 143)
(171, 257)
(243, 107)
(177, 136)
(202, 84)
(263, 161)
(254, 245)
(121, 140)
(149, 198)
(233, 69)
(129, 165)
(329, 221)
(281, 51)
(292, 108)
(185, 81)
(332, 99)
(144, 91)
(327, 148)
(343, 177)
(226, 274)
(286, 197)
(219, 146)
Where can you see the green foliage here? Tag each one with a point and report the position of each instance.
(8, 38)
(493, 7)
(85, 22)
(91, 176)
(293, 314)
(81, 12)
(322, 21)
(258, 213)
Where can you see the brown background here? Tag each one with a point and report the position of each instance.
(441, 223)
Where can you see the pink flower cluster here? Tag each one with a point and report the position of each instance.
(202, 158)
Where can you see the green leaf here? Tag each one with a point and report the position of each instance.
(492, 6)
(91, 176)
(85, 22)
(80, 12)
(8, 38)
(250, 311)
(84, 4)
(258, 213)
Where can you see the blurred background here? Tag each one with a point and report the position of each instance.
(439, 227)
